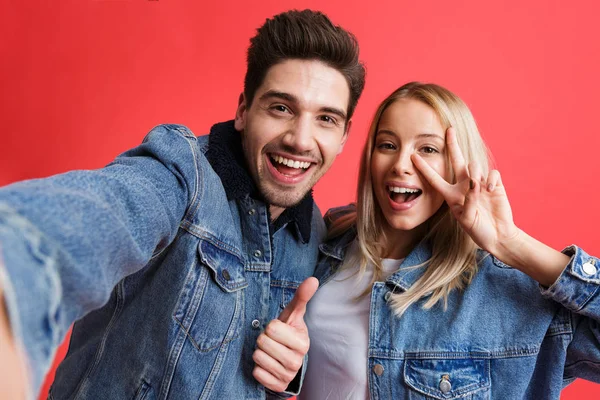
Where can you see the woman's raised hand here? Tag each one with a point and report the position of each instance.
(478, 202)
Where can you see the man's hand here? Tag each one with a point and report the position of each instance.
(284, 343)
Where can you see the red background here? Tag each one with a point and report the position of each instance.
(82, 81)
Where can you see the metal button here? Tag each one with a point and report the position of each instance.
(255, 324)
(251, 211)
(257, 253)
(378, 369)
(589, 268)
(445, 385)
(225, 275)
(387, 296)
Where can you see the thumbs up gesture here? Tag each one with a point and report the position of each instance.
(281, 347)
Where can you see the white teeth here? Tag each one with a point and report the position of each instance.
(396, 189)
(290, 163)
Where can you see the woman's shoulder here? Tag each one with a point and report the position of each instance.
(335, 213)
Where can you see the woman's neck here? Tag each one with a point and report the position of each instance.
(400, 243)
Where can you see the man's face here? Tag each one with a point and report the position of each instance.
(294, 129)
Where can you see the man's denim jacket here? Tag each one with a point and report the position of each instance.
(503, 337)
(170, 282)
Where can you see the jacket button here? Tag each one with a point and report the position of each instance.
(445, 385)
(251, 211)
(256, 324)
(225, 275)
(387, 296)
(257, 253)
(589, 268)
(378, 369)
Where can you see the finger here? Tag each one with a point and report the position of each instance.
(268, 380)
(434, 179)
(273, 367)
(456, 156)
(289, 336)
(294, 311)
(285, 356)
(492, 180)
(470, 206)
(475, 172)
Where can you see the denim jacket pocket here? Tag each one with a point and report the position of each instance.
(448, 378)
(210, 305)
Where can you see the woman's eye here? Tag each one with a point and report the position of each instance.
(429, 150)
(386, 146)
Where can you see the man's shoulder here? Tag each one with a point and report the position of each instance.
(169, 129)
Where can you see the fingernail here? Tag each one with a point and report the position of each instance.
(490, 187)
(471, 184)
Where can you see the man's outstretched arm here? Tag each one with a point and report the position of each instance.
(69, 239)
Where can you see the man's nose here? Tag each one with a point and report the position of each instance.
(301, 135)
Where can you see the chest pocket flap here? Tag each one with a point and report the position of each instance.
(448, 378)
(228, 268)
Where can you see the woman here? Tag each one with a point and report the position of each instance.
(429, 290)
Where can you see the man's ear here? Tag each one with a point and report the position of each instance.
(345, 137)
(240, 113)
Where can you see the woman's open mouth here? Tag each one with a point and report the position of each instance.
(401, 195)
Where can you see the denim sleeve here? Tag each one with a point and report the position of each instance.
(67, 240)
(295, 385)
(578, 289)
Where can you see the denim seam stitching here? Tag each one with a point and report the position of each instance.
(100, 350)
(218, 365)
(198, 191)
(205, 235)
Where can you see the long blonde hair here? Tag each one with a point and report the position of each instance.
(453, 262)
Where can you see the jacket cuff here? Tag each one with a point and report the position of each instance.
(295, 385)
(30, 285)
(579, 282)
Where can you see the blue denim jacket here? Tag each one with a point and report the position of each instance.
(169, 280)
(503, 337)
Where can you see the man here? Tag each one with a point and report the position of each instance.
(175, 257)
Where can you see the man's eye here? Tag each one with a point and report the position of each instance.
(328, 119)
(281, 108)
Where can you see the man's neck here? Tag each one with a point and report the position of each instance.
(275, 212)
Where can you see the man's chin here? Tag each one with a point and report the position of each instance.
(283, 198)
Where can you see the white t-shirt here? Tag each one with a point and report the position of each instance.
(338, 325)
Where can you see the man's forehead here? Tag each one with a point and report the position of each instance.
(307, 82)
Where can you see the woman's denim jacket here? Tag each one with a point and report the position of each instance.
(503, 337)
(170, 280)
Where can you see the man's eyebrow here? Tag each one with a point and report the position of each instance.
(278, 95)
(336, 111)
(275, 94)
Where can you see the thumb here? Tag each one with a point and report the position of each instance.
(296, 308)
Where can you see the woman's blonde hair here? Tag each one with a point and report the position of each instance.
(453, 262)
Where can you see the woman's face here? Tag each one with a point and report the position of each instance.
(406, 199)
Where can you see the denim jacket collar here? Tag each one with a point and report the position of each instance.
(226, 156)
(411, 269)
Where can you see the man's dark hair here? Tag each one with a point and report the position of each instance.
(304, 35)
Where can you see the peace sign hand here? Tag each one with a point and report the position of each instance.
(478, 203)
